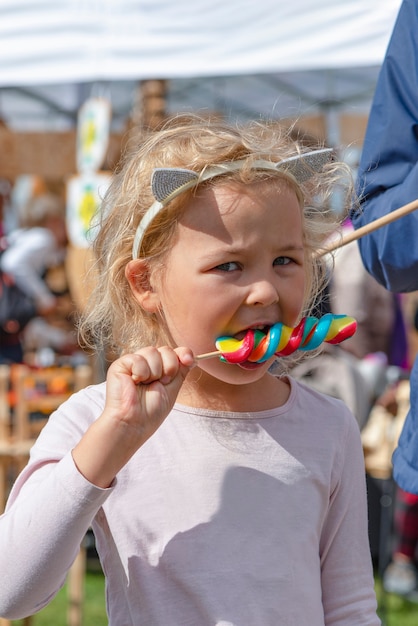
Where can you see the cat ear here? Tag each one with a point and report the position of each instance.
(165, 181)
(304, 166)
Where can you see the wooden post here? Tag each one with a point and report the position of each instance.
(75, 588)
(149, 108)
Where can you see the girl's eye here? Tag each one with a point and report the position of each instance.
(282, 260)
(230, 266)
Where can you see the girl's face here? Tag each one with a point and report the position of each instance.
(238, 262)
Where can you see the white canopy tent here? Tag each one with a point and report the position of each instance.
(241, 58)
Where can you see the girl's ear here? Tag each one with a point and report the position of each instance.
(138, 275)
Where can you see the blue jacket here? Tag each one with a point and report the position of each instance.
(388, 179)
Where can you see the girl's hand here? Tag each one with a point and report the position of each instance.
(141, 389)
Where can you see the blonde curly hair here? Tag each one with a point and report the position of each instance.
(113, 319)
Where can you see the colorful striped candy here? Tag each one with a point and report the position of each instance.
(281, 340)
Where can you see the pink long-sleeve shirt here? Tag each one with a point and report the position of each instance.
(219, 519)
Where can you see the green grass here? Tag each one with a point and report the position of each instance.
(393, 610)
(94, 612)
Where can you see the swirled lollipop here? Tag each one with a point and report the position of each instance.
(258, 347)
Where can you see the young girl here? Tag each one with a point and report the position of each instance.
(218, 493)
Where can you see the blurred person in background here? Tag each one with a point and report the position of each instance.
(387, 180)
(39, 243)
(380, 323)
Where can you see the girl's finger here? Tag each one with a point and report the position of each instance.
(147, 366)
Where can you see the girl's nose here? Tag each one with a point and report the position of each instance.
(262, 292)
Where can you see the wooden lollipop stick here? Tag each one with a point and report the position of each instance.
(369, 228)
(207, 355)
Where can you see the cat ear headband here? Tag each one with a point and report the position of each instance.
(167, 183)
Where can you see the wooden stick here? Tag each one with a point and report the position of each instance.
(208, 355)
(348, 238)
(369, 228)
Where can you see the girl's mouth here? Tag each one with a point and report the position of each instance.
(245, 348)
(263, 329)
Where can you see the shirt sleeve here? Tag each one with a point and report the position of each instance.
(405, 457)
(388, 172)
(49, 511)
(346, 567)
